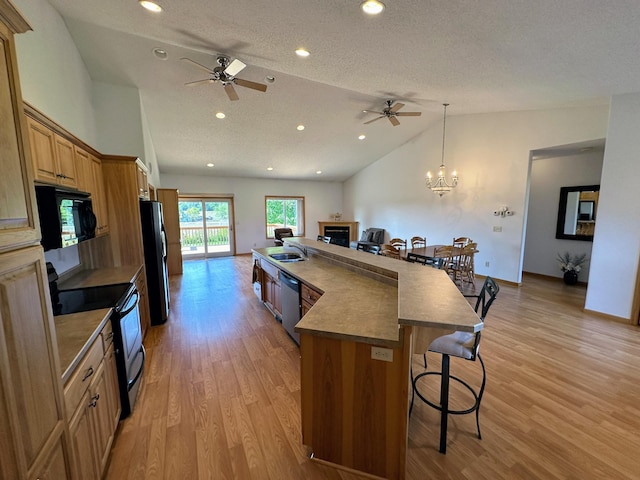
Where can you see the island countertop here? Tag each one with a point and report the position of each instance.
(369, 297)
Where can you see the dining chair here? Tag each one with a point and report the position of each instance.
(443, 257)
(398, 243)
(389, 250)
(465, 345)
(417, 242)
(413, 258)
(461, 242)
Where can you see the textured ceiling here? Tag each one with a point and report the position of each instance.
(494, 55)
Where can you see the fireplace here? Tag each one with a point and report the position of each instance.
(341, 233)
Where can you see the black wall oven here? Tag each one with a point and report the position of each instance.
(125, 322)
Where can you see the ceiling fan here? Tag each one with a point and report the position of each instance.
(225, 73)
(391, 112)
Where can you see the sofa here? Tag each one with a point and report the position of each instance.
(369, 238)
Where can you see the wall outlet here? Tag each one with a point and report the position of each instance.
(384, 354)
(486, 264)
(497, 228)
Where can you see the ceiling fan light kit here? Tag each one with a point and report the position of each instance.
(439, 185)
(225, 73)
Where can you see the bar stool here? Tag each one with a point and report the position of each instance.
(463, 345)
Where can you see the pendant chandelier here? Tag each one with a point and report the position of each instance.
(439, 184)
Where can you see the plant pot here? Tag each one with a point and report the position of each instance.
(570, 277)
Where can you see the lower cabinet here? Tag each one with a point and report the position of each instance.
(94, 417)
(145, 313)
(55, 467)
(271, 288)
(309, 297)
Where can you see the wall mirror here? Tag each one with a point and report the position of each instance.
(577, 212)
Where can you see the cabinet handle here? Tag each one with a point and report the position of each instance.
(94, 400)
(88, 374)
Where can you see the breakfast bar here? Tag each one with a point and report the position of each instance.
(356, 343)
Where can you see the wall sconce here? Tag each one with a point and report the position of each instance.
(503, 212)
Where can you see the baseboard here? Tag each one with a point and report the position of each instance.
(607, 316)
(550, 277)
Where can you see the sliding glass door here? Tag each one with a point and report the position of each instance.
(206, 226)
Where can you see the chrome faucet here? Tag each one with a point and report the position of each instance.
(297, 246)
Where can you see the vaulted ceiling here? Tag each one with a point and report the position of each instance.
(494, 55)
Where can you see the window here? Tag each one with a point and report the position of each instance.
(284, 212)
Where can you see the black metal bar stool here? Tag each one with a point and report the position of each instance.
(463, 345)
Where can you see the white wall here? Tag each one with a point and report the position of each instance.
(321, 200)
(616, 245)
(53, 77)
(491, 153)
(548, 175)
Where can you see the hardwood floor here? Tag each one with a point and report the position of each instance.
(221, 398)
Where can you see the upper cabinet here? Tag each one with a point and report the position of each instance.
(52, 155)
(142, 180)
(90, 179)
(18, 218)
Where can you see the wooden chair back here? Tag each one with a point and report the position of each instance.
(389, 250)
(417, 242)
(398, 243)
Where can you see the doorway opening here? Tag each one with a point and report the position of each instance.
(206, 226)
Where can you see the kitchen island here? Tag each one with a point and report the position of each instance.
(356, 344)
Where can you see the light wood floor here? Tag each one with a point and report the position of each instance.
(221, 397)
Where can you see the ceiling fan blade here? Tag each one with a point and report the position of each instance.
(206, 69)
(234, 68)
(371, 111)
(371, 121)
(396, 107)
(394, 121)
(408, 114)
(231, 92)
(198, 82)
(249, 84)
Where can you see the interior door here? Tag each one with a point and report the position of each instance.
(206, 227)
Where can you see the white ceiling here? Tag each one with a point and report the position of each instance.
(479, 56)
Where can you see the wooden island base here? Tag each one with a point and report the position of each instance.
(355, 408)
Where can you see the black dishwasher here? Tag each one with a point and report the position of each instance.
(290, 304)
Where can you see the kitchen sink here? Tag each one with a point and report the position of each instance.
(287, 257)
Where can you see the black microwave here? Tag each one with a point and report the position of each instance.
(66, 217)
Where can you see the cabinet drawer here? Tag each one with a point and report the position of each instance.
(309, 295)
(107, 336)
(82, 376)
(271, 270)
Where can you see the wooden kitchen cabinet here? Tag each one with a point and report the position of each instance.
(169, 199)
(142, 180)
(271, 288)
(84, 170)
(99, 199)
(93, 405)
(31, 405)
(121, 192)
(52, 156)
(309, 297)
(145, 313)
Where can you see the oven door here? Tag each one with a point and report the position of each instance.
(130, 356)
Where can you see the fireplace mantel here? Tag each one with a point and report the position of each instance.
(353, 228)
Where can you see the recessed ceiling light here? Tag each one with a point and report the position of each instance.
(220, 115)
(301, 52)
(160, 53)
(269, 79)
(209, 165)
(151, 6)
(318, 172)
(362, 137)
(269, 168)
(300, 127)
(372, 7)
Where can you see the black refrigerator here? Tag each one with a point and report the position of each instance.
(154, 241)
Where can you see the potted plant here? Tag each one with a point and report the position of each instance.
(571, 266)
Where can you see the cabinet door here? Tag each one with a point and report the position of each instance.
(82, 441)
(43, 152)
(103, 431)
(84, 170)
(18, 218)
(277, 302)
(99, 198)
(55, 468)
(67, 175)
(145, 313)
(112, 388)
(143, 184)
(29, 366)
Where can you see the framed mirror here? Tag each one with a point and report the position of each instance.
(577, 212)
